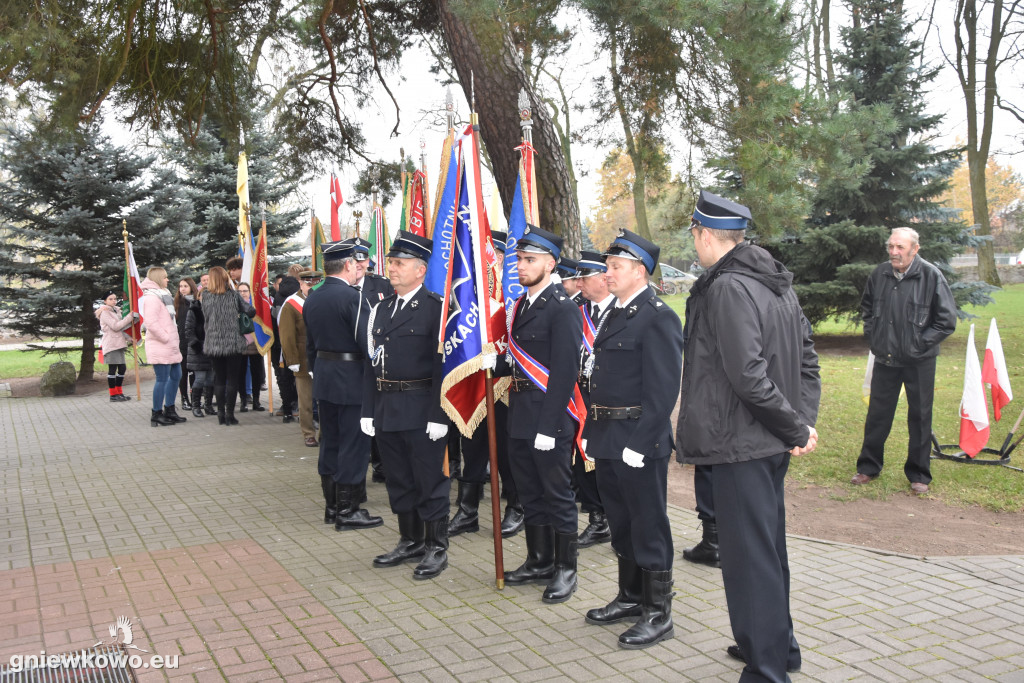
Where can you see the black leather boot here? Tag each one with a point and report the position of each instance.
(171, 414)
(540, 557)
(197, 404)
(655, 623)
(350, 516)
(705, 552)
(410, 542)
(208, 401)
(245, 404)
(229, 416)
(256, 405)
(185, 403)
(514, 519)
(467, 517)
(597, 530)
(159, 420)
(435, 555)
(361, 486)
(563, 582)
(330, 499)
(626, 604)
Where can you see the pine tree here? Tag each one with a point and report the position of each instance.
(61, 248)
(878, 170)
(210, 171)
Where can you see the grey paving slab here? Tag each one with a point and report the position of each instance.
(82, 478)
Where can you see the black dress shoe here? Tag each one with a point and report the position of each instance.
(735, 652)
(288, 419)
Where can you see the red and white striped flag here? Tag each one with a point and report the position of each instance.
(993, 372)
(973, 409)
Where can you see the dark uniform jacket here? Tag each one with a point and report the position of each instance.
(335, 316)
(376, 288)
(410, 352)
(550, 331)
(750, 374)
(637, 362)
(905, 320)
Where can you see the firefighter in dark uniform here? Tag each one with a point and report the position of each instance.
(374, 288)
(476, 458)
(634, 380)
(402, 408)
(547, 328)
(597, 302)
(567, 277)
(335, 316)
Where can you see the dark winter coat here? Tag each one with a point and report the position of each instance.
(751, 383)
(195, 334)
(221, 312)
(181, 310)
(905, 320)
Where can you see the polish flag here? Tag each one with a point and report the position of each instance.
(973, 409)
(993, 372)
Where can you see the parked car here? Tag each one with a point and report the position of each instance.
(675, 281)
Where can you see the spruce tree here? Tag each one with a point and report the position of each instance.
(878, 170)
(65, 195)
(210, 169)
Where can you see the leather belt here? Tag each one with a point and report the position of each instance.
(522, 385)
(605, 413)
(342, 355)
(403, 384)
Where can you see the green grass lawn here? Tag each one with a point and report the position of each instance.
(34, 363)
(841, 417)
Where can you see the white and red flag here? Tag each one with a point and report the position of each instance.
(132, 291)
(973, 409)
(993, 371)
(336, 202)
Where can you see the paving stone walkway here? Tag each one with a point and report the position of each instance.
(210, 540)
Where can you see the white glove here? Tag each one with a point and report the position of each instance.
(436, 431)
(294, 368)
(632, 458)
(489, 361)
(366, 424)
(135, 316)
(543, 443)
(311, 374)
(583, 442)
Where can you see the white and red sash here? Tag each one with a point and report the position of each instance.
(296, 301)
(538, 374)
(589, 329)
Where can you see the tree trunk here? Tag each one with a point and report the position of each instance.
(88, 365)
(979, 199)
(484, 49)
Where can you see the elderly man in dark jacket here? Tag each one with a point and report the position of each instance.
(908, 309)
(750, 396)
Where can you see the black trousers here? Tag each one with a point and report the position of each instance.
(543, 481)
(415, 477)
(886, 381)
(286, 386)
(587, 493)
(703, 493)
(476, 453)
(635, 500)
(256, 366)
(228, 375)
(344, 449)
(751, 515)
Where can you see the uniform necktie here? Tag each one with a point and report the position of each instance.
(525, 308)
(595, 310)
(398, 306)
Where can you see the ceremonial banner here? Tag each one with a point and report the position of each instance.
(415, 207)
(524, 210)
(994, 373)
(132, 287)
(380, 243)
(973, 409)
(242, 190)
(259, 286)
(317, 237)
(444, 208)
(336, 202)
(473, 312)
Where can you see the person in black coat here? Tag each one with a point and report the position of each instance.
(402, 408)
(546, 329)
(199, 363)
(335, 315)
(634, 379)
(749, 400)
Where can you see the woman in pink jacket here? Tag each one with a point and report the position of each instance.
(113, 343)
(156, 305)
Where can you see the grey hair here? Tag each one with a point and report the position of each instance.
(909, 232)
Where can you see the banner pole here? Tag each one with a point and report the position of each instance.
(131, 307)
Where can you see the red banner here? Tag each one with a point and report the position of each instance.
(336, 202)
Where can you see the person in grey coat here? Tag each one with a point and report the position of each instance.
(224, 343)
